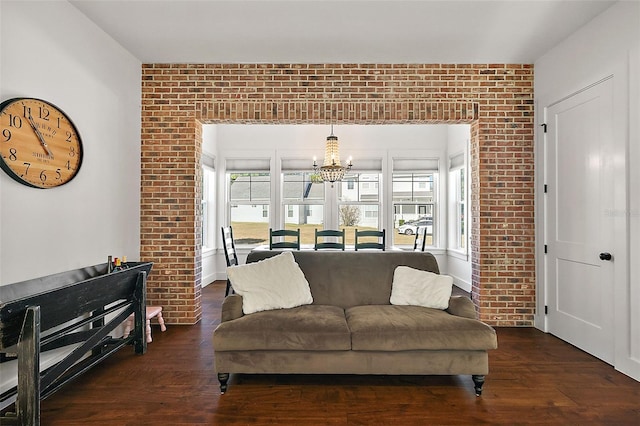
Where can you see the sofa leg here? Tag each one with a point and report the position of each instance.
(478, 381)
(223, 378)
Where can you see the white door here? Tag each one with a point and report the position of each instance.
(579, 230)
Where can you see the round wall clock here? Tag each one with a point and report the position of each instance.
(39, 145)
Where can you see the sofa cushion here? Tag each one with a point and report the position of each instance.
(308, 328)
(400, 328)
(274, 283)
(420, 288)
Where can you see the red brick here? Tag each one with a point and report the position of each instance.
(497, 99)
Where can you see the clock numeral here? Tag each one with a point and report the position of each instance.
(68, 165)
(26, 171)
(15, 121)
(72, 151)
(13, 154)
(44, 113)
(43, 176)
(6, 133)
(26, 111)
(59, 122)
(69, 134)
(58, 174)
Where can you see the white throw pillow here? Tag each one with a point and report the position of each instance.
(420, 288)
(273, 283)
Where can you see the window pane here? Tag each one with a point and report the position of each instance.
(250, 223)
(359, 215)
(249, 207)
(363, 187)
(246, 187)
(306, 217)
(463, 236)
(208, 205)
(402, 186)
(422, 188)
(416, 187)
(205, 208)
(298, 186)
(462, 241)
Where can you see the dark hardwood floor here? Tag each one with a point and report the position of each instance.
(534, 378)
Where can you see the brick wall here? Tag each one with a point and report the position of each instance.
(496, 99)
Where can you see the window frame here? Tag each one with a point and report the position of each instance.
(229, 204)
(458, 195)
(208, 209)
(421, 163)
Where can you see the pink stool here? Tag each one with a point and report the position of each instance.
(152, 311)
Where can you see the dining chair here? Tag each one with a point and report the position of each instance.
(229, 252)
(284, 243)
(421, 239)
(329, 244)
(380, 245)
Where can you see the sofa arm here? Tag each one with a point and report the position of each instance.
(232, 307)
(461, 306)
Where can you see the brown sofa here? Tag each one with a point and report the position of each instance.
(351, 328)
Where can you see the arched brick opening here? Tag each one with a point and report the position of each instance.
(495, 99)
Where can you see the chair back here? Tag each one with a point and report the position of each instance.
(229, 252)
(329, 244)
(378, 244)
(229, 246)
(283, 243)
(421, 239)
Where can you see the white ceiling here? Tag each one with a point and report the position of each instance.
(339, 31)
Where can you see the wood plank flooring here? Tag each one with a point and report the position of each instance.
(534, 378)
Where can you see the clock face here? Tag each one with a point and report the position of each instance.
(39, 145)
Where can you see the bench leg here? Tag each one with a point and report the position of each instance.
(223, 378)
(478, 381)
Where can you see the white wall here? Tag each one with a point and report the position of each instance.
(459, 264)
(50, 50)
(607, 46)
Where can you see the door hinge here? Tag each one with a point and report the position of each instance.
(545, 249)
(546, 309)
(544, 127)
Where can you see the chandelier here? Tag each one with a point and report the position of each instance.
(331, 170)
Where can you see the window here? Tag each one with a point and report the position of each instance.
(458, 201)
(249, 197)
(358, 203)
(303, 200)
(414, 199)
(208, 202)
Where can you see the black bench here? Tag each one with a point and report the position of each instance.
(79, 308)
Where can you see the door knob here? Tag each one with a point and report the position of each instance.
(605, 256)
